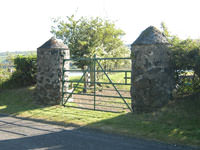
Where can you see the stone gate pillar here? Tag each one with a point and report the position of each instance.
(152, 75)
(49, 76)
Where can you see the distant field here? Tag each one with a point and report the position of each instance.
(2, 58)
(4, 55)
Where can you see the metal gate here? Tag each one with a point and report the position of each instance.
(103, 84)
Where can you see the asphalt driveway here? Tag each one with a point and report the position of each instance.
(23, 134)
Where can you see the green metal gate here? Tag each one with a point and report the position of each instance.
(107, 90)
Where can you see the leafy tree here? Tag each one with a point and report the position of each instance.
(88, 36)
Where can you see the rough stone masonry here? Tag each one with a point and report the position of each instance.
(152, 75)
(49, 77)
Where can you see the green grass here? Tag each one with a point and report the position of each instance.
(20, 102)
(178, 122)
(115, 77)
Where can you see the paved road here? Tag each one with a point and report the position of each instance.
(21, 134)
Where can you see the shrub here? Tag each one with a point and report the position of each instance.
(25, 73)
(186, 63)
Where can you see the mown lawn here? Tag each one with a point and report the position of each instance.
(178, 122)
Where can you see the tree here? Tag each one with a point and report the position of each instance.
(86, 37)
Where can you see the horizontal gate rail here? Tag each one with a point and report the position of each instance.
(110, 102)
(98, 71)
(74, 59)
(96, 105)
(99, 82)
(92, 109)
(103, 89)
(97, 95)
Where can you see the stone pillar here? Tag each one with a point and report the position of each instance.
(49, 76)
(152, 74)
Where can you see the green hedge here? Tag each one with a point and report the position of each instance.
(186, 63)
(25, 72)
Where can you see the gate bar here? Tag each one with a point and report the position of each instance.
(94, 61)
(98, 71)
(100, 82)
(97, 95)
(75, 87)
(114, 87)
(96, 58)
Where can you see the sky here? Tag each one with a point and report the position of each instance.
(26, 24)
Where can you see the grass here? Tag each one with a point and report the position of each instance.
(115, 77)
(118, 78)
(178, 122)
(106, 90)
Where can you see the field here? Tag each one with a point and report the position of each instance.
(5, 55)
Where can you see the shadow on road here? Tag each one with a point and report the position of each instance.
(25, 134)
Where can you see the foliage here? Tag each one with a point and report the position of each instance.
(86, 37)
(25, 72)
(4, 75)
(186, 62)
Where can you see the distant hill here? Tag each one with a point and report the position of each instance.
(17, 53)
(4, 55)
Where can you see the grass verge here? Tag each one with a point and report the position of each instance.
(179, 122)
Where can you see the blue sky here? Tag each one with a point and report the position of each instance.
(26, 24)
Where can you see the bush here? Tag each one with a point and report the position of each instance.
(186, 63)
(25, 70)
(25, 73)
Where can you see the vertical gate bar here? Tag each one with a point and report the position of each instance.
(75, 86)
(114, 86)
(63, 78)
(94, 61)
(125, 77)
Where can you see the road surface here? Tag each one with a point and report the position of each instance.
(23, 134)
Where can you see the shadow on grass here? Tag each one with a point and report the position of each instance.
(14, 101)
(179, 122)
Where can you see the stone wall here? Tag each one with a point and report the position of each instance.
(152, 75)
(49, 77)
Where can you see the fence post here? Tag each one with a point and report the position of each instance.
(94, 63)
